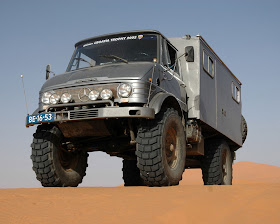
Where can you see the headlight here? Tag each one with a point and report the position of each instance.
(66, 97)
(93, 95)
(124, 90)
(46, 98)
(54, 98)
(106, 94)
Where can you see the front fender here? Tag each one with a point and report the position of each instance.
(165, 99)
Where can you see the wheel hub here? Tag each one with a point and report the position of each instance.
(68, 160)
(171, 151)
(171, 147)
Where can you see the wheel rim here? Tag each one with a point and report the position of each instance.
(68, 160)
(225, 167)
(171, 147)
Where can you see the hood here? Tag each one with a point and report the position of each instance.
(132, 70)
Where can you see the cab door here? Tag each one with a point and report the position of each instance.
(172, 79)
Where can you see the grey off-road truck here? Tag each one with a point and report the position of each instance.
(163, 105)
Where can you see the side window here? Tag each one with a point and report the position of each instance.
(205, 61)
(177, 67)
(165, 57)
(171, 56)
(211, 67)
(235, 92)
(208, 64)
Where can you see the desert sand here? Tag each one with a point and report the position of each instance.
(254, 197)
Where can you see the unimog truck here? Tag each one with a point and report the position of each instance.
(162, 104)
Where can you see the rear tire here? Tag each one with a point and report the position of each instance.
(244, 129)
(54, 166)
(161, 149)
(217, 163)
(131, 173)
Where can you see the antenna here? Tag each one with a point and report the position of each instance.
(24, 93)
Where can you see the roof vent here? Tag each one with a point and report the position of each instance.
(188, 36)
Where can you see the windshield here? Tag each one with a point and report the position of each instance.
(122, 49)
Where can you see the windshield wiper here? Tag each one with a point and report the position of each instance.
(81, 59)
(114, 57)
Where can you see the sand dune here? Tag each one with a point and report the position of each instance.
(254, 198)
(243, 172)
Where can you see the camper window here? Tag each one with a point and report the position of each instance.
(208, 64)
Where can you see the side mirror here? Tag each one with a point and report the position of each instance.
(189, 54)
(48, 71)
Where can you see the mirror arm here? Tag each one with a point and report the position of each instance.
(48, 72)
(168, 69)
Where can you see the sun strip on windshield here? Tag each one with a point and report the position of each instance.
(123, 38)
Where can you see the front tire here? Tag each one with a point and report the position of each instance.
(217, 163)
(161, 149)
(53, 165)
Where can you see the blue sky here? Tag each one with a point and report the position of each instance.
(245, 34)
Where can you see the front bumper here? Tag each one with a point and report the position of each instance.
(88, 114)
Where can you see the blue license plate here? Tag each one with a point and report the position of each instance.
(39, 118)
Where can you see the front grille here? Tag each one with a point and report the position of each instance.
(84, 114)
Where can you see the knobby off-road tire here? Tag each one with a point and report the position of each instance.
(161, 149)
(55, 167)
(217, 163)
(131, 173)
(244, 129)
